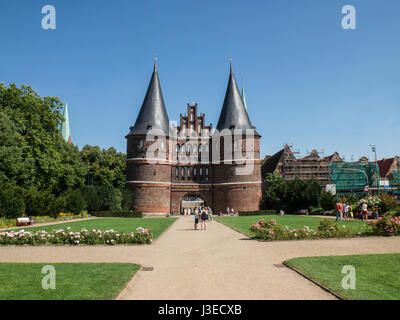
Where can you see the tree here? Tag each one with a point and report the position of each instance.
(11, 201)
(327, 200)
(275, 193)
(15, 167)
(36, 120)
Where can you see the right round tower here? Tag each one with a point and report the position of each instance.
(237, 173)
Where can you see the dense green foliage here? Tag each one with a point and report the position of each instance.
(256, 213)
(292, 195)
(75, 281)
(40, 173)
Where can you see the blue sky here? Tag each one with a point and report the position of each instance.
(308, 82)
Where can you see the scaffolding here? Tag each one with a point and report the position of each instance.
(353, 176)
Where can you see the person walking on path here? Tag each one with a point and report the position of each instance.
(339, 210)
(196, 219)
(204, 218)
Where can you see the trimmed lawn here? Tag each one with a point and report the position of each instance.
(74, 281)
(156, 225)
(377, 276)
(243, 224)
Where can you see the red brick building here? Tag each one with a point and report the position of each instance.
(166, 164)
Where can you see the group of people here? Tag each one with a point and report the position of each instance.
(344, 211)
(203, 214)
(229, 212)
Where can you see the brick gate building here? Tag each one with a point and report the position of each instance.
(167, 163)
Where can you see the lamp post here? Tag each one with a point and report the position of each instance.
(378, 178)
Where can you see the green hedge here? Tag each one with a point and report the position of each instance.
(257, 213)
(118, 214)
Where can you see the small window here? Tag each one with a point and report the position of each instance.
(207, 172)
(176, 173)
(183, 174)
(201, 171)
(140, 143)
(188, 173)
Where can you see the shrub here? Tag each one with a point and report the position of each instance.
(316, 210)
(270, 230)
(257, 213)
(371, 201)
(385, 226)
(388, 203)
(6, 223)
(118, 214)
(68, 237)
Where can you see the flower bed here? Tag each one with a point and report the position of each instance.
(385, 226)
(270, 230)
(68, 237)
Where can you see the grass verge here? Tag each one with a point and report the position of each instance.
(74, 281)
(375, 274)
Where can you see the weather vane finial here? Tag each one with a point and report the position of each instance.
(230, 61)
(155, 64)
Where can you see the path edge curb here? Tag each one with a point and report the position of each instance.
(125, 289)
(314, 281)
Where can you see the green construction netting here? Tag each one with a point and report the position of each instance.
(353, 175)
(395, 182)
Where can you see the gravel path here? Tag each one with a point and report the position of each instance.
(218, 263)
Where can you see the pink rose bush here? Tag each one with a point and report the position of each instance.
(270, 230)
(68, 237)
(384, 226)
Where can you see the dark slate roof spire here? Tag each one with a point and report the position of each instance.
(233, 114)
(152, 114)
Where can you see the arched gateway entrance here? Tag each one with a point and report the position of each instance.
(191, 201)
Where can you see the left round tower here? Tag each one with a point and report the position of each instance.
(148, 172)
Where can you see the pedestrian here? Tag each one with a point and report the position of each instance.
(339, 210)
(227, 211)
(196, 219)
(204, 218)
(351, 212)
(209, 213)
(364, 212)
(220, 214)
(346, 211)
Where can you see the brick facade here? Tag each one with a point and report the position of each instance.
(187, 167)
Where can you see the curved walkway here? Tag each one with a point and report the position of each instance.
(218, 263)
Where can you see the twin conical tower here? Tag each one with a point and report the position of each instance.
(160, 183)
